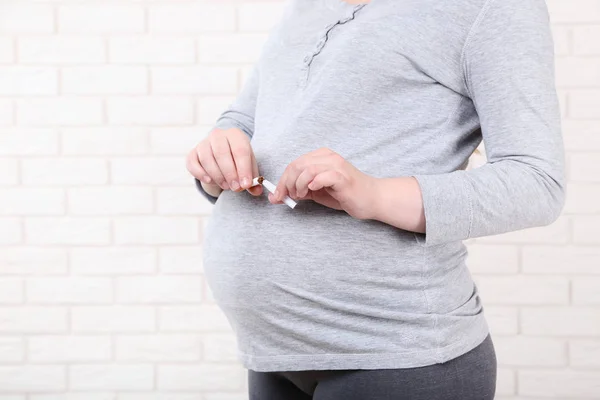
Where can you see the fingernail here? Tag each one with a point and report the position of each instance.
(276, 194)
(235, 185)
(206, 179)
(245, 182)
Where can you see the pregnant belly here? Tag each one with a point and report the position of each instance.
(256, 254)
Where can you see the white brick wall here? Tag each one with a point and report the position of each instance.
(102, 293)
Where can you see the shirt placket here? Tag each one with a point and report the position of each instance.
(308, 59)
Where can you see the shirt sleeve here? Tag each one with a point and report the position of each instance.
(508, 65)
(239, 114)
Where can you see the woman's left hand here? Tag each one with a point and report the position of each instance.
(328, 179)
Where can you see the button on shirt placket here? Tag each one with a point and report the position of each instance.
(319, 47)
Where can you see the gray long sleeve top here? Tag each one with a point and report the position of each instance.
(399, 88)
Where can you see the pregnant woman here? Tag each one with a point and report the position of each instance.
(366, 115)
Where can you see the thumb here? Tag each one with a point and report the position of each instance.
(258, 189)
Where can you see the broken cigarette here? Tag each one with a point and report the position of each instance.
(271, 188)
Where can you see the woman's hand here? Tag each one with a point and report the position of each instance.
(223, 161)
(328, 179)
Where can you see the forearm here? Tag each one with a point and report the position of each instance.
(398, 202)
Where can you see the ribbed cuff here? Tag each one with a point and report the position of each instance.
(447, 206)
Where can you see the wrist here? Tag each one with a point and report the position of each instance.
(376, 198)
(212, 189)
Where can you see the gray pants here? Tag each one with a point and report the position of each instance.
(471, 376)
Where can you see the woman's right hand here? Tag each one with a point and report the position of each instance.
(224, 161)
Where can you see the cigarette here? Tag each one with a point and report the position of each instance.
(271, 188)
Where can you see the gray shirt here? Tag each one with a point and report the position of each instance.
(398, 88)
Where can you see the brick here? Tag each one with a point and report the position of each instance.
(11, 350)
(584, 353)
(111, 377)
(104, 141)
(113, 319)
(59, 111)
(220, 347)
(9, 172)
(110, 200)
(530, 351)
(61, 50)
(582, 198)
(211, 108)
(67, 230)
(73, 396)
(68, 349)
(26, 18)
(194, 80)
(159, 289)
(180, 260)
(184, 200)
(232, 48)
(562, 40)
(570, 384)
(226, 396)
(150, 111)
(20, 81)
(151, 171)
(574, 321)
(6, 50)
(32, 261)
(158, 348)
(28, 201)
(561, 260)
(191, 18)
(506, 382)
(574, 10)
(583, 104)
(28, 141)
(177, 141)
(6, 112)
(72, 290)
(32, 378)
(100, 18)
(152, 50)
(64, 171)
(156, 230)
(204, 318)
(586, 230)
(11, 291)
(502, 320)
(493, 259)
(113, 260)
(526, 290)
(32, 320)
(586, 291)
(577, 72)
(200, 377)
(11, 231)
(585, 40)
(161, 396)
(584, 167)
(555, 233)
(259, 17)
(107, 79)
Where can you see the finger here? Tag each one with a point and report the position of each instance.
(194, 167)
(258, 189)
(273, 200)
(222, 154)
(307, 176)
(241, 152)
(287, 183)
(330, 178)
(208, 162)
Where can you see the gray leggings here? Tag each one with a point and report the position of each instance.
(471, 376)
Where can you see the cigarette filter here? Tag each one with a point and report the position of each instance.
(271, 188)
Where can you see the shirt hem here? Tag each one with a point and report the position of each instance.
(415, 359)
